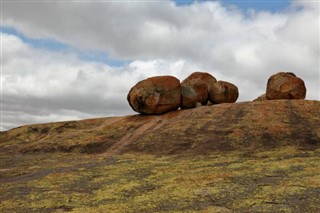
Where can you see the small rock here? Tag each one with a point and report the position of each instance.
(223, 92)
(195, 89)
(285, 85)
(261, 98)
(155, 95)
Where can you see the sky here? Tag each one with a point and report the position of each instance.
(69, 60)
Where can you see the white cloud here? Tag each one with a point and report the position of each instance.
(43, 86)
(160, 39)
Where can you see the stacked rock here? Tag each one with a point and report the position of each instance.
(162, 94)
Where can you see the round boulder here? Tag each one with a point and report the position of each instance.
(223, 92)
(155, 95)
(285, 85)
(195, 89)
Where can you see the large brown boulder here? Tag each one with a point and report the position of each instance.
(195, 89)
(155, 95)
(223, 92)
(285, 85)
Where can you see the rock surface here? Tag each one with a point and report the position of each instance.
(221, 127)
(285, 85)
(241, 157)
(155, 95)
(223, 92)
(195, 89)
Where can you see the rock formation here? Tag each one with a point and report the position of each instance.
(223, 92)
(155, 95)
(220, 127)
(195, 89)
(162, 94)
(285, 85)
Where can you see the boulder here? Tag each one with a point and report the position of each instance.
(223, 92)
(155, 95)
(285, 85)
(195, 89)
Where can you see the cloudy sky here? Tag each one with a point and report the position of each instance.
(66, 60)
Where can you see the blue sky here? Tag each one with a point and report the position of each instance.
(269, 5)
(100, 56)
(53, 45)
(49, 44)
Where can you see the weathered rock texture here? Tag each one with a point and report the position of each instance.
(223, 92)
(155, 95)
(195, 89)
(221, 127)
(285, 85)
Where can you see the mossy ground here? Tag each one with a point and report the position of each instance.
(284, 179)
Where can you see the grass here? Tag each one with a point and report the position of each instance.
(284, 179)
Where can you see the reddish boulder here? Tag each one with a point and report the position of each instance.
(223, 92)
(195, 89)
(285, 85)
(155, 95)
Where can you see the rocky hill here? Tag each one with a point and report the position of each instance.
(247, 125)
(261, 156)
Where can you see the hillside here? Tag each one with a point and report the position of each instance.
(247, 125)
(261, 156)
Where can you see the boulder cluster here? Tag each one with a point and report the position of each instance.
(160, 94)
